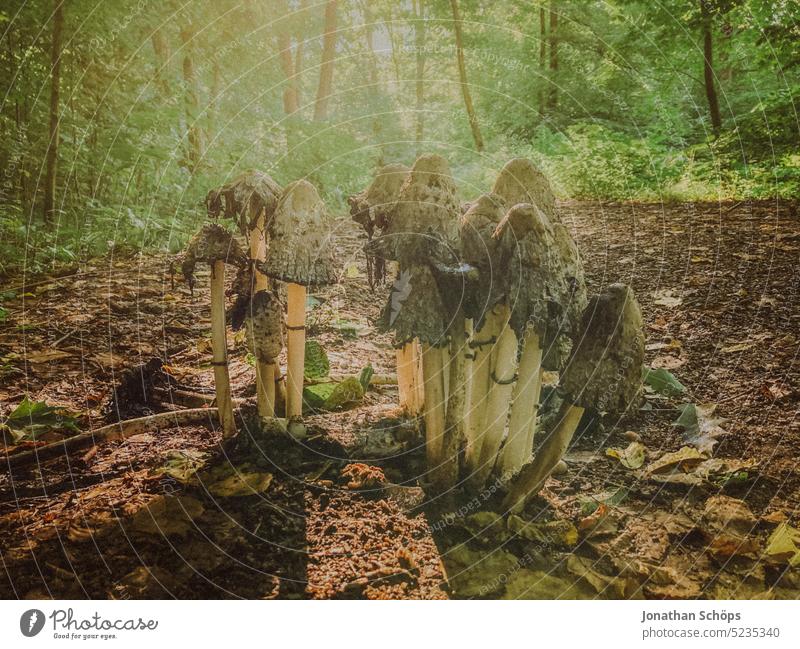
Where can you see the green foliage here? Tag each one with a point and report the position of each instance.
(317, 365)
(662, 382)
(31, 419)
(622, 116)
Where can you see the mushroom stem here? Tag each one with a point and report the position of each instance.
(482, 345)
(407, 378)
(295, 348)
(524, 408)
(532, 476)
(434, 404)
(501, 384)
(219, 350)
(469, 356)
(419, 380)
(265, 372)
(265, 389)
(446, 474)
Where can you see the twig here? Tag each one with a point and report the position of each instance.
(117, 431)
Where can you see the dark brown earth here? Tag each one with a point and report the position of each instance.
(343, 516)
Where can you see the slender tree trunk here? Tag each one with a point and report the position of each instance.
(553, 102)
(462, 73)
(326, 66)
(543, 57)
(419, 46)
(161, 50)
(374, 78)
(195, 133)
(708, 69)
(291, 94)
(55, 84)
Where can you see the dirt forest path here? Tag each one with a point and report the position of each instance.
(339, 514)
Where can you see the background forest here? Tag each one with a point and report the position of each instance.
(116, 117)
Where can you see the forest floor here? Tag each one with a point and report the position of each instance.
(340, 515)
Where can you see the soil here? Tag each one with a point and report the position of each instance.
(340, 513)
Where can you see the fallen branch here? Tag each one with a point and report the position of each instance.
(120, 430)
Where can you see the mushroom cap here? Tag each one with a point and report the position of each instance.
(605, 369)
(481, 249)
(243, 199)
(301, 229)
(415, 308)
(478, 246)
(264, 326)
(533, 269)
(521, 181)
(373, 206)
(210, 244)
(424, 223)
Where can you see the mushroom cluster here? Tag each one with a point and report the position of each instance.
(288, 233)
(495, 297)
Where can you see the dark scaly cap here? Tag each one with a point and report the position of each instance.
(244, 198)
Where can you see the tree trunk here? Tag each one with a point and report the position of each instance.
(419, 45)
(462, 73)
(161, 50)
(553, 101)
(374, 77)
(55, 84)
(195, 133)
(291, 94)
(543, 58)
(326, 65)
(708, 69)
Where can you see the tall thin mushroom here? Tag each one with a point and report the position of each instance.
(249, 200)
(372, 209)
(537, 290)
(420, 314)
(264, 336)
(301, 256)
(422, 228)
(480, 250)
(215, 246)
(603, 372)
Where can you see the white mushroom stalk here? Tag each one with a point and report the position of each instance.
(603, 373)
(301, 256)
(215, 246)
(480, 250)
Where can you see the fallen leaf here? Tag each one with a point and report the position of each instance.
(727, 524)
(701, 428)
(46, 356)
(552, 533)
(167, 515)
(683, 460)
(667, 362)
(737, 347)
(662, 381)
(667, 298)
(228, 481)
(783, 545)
(631, 457)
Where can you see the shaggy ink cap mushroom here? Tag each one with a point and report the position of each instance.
(210, 244)
(264, 327)
(604, 371)
(482, 251)
(423, 226)
(372, 207)
(301, 251)
(536, 285)
(520, 181)
(415, 309)
(244, 198)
